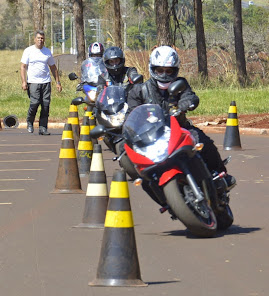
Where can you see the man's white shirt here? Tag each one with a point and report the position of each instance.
(37, 61)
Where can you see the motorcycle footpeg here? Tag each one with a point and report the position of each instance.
(115, 158)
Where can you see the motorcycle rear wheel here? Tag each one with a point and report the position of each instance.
(201, 225)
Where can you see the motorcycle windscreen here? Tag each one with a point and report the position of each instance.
(111, 100)
(93, 71)
(144, 125)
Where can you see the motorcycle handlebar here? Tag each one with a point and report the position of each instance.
(176, 111)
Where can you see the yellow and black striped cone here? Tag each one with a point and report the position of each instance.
(232, 136)
(97, 195)
(67, 132)
(68, 180)
(84, 152)
(118, 262)
(73, 119)
(88, 111)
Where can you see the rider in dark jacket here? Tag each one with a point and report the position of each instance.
(114, 61)
(163, 67)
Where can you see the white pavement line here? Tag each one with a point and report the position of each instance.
(5, 203)
(27, 152)
(11, 145)
(3, 180)
(25, 160)
(8, 190)
(15, 170)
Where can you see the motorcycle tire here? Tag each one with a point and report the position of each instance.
(197, 224)
(126, 163)
(225, 218)
(109, 145)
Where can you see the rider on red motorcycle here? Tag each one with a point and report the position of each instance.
(163, 67)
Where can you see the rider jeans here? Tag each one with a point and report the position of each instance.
(39, 94)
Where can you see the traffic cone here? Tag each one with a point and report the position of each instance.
(11, 121)
(88, 111)
(68, 180)
(232, 136)
(74, 120)
(118, 262)
(97, 195)
(84, 152)
(67, 132)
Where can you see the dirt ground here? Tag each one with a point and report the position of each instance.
(246, 120)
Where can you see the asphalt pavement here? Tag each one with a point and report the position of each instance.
(41, 253)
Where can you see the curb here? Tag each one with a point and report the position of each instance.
(242, 131)
(206, 129)
(50, 125)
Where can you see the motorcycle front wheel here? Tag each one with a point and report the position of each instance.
(199, 218)
(225, 218)
(126, 163)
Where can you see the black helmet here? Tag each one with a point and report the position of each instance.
(96, 49)
(164, 56)
(114, 52)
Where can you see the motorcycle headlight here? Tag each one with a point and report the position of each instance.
(92, 94)
(158, 151)
(117, 119)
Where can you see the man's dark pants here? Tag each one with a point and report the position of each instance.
(39, 94)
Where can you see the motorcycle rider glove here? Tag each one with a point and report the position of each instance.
(185, 105)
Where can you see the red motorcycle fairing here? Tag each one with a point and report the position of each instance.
(179, 137)
(139, 160)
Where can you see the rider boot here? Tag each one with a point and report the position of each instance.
(231, 181)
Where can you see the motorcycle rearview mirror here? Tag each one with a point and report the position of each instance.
(77, 101)
(176, 87)
(97, 131)
(137, 78)
(72, 76)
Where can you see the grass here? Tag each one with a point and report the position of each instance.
(248, 101)
(214, 100)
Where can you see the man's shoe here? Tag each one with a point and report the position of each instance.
(43, 131)
(231, 181)
(30, 127)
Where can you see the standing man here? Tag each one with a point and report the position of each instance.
(36, 62)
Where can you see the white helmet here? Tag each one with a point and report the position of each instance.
(164, 56)
(96, 49)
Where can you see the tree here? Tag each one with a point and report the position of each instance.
(239, 43)
(162, 23)
(117, 23)
(11, 36)
(79, 25)
(38, 14)
(200, 39)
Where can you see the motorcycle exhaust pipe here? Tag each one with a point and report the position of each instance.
(11, 121)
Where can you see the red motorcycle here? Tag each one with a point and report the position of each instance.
(169, 167)
(173, 173)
